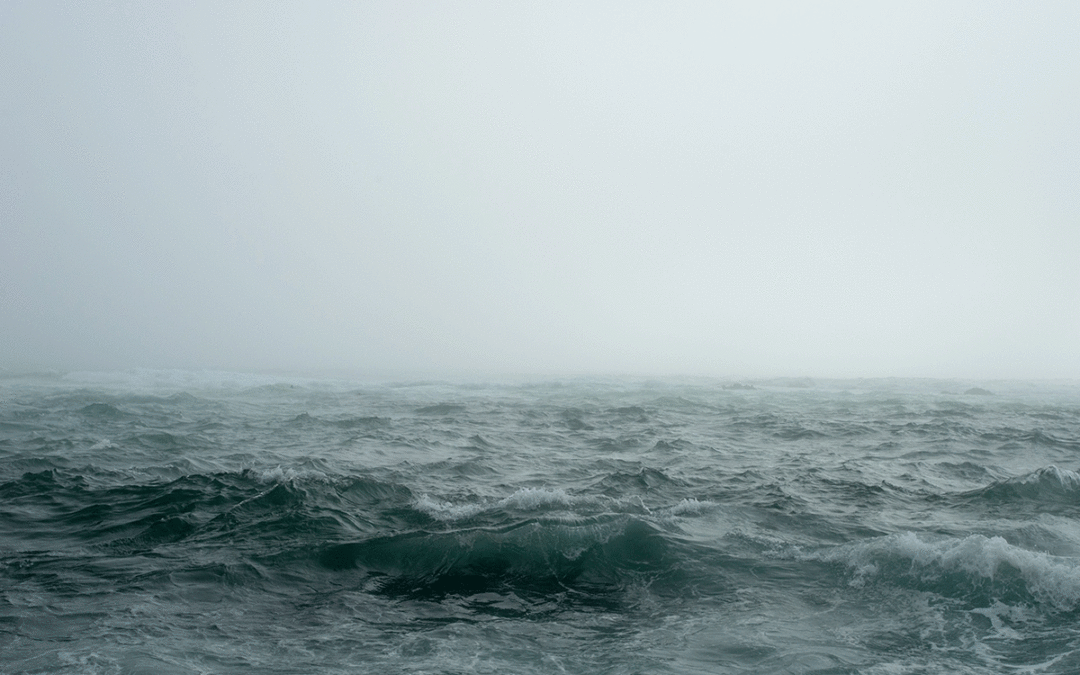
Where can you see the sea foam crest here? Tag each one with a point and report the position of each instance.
(1049, 483)
(279, 475)
(447, 510)
(692, 505)
(525, 499)
(1052, 474)
(1047, 578)
(536, 498)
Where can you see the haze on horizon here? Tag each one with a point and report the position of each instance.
(745, 189)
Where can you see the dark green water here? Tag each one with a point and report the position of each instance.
(173, 522)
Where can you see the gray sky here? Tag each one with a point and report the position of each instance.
(824, 189)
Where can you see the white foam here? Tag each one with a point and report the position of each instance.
(1066, 478)
(447, 510)
(998, 614)
(279, 475)
(525, 499)
(103, 444)
(1052, 579)
(692, 505)
(535, 498)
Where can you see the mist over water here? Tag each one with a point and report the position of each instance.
(188, 522)
(840, 190)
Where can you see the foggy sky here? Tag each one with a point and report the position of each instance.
(823, 189)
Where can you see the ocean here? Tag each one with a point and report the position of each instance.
(174, 522)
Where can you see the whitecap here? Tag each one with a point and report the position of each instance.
(693, 506)
(446, 510)
(535, 498)
(280, 475)
(1048, 578)
(524, 499)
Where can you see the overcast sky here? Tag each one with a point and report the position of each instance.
(742, 189)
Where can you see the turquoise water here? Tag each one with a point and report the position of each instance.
(177, 522)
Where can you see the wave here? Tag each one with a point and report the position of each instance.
(1011, 438)
(693, 505)
(258, 509)
(304, 420)
(441, 409)
(104, 411)
(976, 569)
(1048, 485)
(644, 480)
(315, 524)
(532, 543)
(525, 499)
(590, 560)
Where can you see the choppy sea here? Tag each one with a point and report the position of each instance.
(178, 522)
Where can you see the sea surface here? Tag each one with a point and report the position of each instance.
(173, 522)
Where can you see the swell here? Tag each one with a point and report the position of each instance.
(531, 559)
(274, 527)
(1048, 487)
(976, 570)
(253, 509)
(533, 540)
(690, 521)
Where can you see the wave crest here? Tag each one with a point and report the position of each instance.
(977, 569)
(528, 558)
(1048, 484)
(525, 499)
